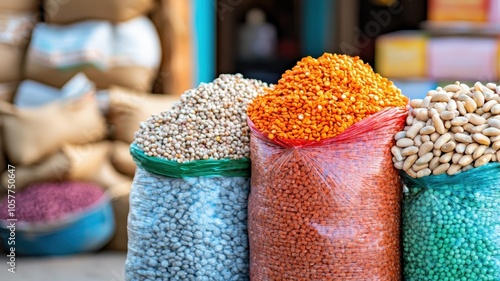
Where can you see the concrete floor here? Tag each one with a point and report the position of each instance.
(102, 266)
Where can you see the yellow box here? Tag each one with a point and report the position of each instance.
(401, 54)
(458, 10)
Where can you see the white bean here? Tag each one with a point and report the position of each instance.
(475, 119)
(445, 158)
(453, 169)
(396, 152)
(452, 88)
(460, 148)
(409, 161)
(495, 109)
(459, 121)
(481, 139)
(491, 132)
(457, 129)
(478, 98)
(451, 106)
(426, 158)
(434, 163)
(470, 105)
(416, 103)
(400, 135)
(438, 123)
(479, 151)
(440, 97)
(404, 142)
(487, 106)
(461, 107)
(422, 114)
(449, 146)
(471, 148)
(441, 169)
(483, 160)
(442, 140)
(493, 122)
(462, 137)
(479, 129)
(456, 157)
(427, 130)
(415, 128)
(409, 151)
(447, 115)
(423, 173)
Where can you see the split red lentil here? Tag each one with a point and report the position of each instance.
(320, 98)
(325, 203)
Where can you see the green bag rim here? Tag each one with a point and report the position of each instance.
(198, 168)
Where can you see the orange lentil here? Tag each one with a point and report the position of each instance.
(330, 211)
(343, 87)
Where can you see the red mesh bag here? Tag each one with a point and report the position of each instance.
(327, 210)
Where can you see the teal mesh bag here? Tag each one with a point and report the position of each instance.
(451, 226)
(188, 221)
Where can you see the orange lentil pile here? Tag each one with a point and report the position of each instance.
(320, 98)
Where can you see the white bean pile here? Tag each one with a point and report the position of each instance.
(453, 129)
(209, 122)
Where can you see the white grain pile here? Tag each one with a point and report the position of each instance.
(209, 122)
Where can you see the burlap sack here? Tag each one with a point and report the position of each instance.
(51, 168)
(121, 158)
(91, 162)
(127, 109)
(44, 74)
(79, 45)
(16, 26)
(120, 200)
(11, 58)
(88, 162)
(134, 77)
(34, 94)
(133, 62)
(173, 20)
(32, 134)
(8, 91)
(19, 5)
(68, 11)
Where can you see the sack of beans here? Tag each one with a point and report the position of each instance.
(70, 11)
(126, 54)
(19, 5)
(451, 211)
(325, 201)
(188, 203)
(56, 218)
(15, 32)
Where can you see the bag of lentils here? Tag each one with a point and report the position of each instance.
(448, 156)
(325, 199)
(188, 203)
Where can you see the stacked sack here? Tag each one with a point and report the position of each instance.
(77, 134)
(188, 204)
(58, 141)
(85, 87)
(112, 42)
(16, 21)
(325, 201)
